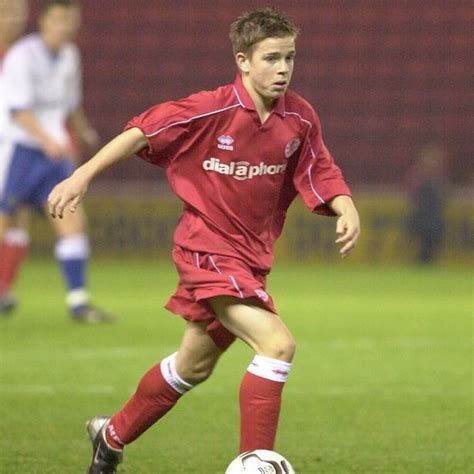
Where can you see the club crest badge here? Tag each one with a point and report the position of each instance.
(292, 146)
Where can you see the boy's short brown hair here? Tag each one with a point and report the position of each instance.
(255, 26)
(48, 4)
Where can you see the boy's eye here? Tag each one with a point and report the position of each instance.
(275, 58)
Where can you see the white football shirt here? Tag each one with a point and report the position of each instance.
(48, 84)
(3, 111)
(5, 149)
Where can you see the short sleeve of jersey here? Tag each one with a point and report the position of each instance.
(167, 127)
(317, 178)
(18, 80)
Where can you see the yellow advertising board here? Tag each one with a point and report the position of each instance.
(144, 225)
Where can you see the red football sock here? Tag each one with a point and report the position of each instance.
(260, 401)
(154, 397)
(11, 256)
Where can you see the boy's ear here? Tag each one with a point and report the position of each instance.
(242, 62)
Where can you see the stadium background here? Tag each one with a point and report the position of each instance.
(386, 77)
(383, 377)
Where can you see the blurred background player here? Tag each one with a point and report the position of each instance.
(43, 97)
(427, 187)
(13, 247)
(269, 146)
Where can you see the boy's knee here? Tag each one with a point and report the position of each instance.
(280, 347)
(198, 372)
(287, 348)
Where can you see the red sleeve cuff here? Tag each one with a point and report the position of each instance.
(321, 206)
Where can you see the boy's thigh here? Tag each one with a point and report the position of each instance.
(197, 347)
(19, 173)
(261, 329)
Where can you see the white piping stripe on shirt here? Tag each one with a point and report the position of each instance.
(196, 256)
(312, 154)
(191, 119)
(214, 265)
(300, 117)
(238, 97)
(232, 279)
(312, 187)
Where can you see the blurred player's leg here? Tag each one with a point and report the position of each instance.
(72, 253)
(14, 223)
(13, 248)
(12, 252)
(158, 391)
(262, 385)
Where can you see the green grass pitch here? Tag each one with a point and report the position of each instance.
(382, 379)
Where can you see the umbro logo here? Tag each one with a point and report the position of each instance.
(225, 142)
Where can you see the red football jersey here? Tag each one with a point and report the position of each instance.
(235, 175)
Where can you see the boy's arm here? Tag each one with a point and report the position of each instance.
(27, 120)
(348, 224)
(72, 190)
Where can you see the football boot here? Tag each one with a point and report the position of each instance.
(104, 458)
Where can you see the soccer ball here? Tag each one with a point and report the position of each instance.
(260, 461)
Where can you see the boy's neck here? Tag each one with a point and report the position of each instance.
(51, 45)
(263, 107)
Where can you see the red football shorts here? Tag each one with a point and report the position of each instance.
(203, 276)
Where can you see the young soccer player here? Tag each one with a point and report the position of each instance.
(237, 157)
(43, 94)
(13, 247)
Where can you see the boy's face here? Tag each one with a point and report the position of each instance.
(59, 25)
(268, 68)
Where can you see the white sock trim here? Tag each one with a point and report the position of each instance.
(77, 297)
(268, 368)
(17, 236)
(168, 370)
(74, 247)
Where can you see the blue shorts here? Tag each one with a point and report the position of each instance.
(28, 176)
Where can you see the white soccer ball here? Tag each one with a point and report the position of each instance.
(260, 461)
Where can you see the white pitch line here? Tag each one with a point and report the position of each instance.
(124, 352)
(109, 353)
(50, 389)
(28, 389)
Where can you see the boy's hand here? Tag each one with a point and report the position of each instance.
(72, 190)
(68, 192)
(90, 137)
(53, 150)
(348, 223)
(347, 231)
